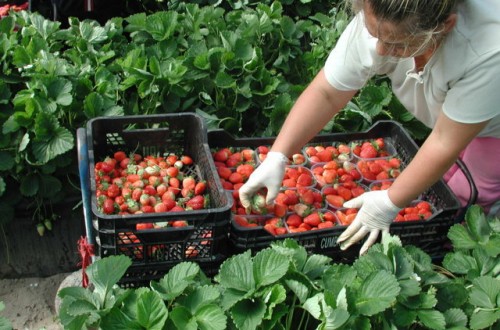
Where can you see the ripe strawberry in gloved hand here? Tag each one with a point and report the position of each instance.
(376, 213)
(268, 175)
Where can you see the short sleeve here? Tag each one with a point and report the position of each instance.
(353, 60)
(476, 96)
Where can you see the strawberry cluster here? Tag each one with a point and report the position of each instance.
(295, 159)
(133, 184)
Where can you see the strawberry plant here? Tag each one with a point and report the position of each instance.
(392, 286)
(4, 322)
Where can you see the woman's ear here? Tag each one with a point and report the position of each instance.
(450, 23)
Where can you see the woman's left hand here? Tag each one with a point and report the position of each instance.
(376, 213)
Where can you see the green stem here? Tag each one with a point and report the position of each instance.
(289, 318)
(6, 244)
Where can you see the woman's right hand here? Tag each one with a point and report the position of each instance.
(269, 174)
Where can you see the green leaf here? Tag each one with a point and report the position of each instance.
(106, 272)
(269, 267)
(116, 319)
(248, 314)
(59, 90)
(151, 311)
(92, 33)
(459, 263)
(183, 319)
(451, 295)
(223, 80)
(403, 265)
(237, 273)
(484, 292)
(175, 282)
(29, 185)
(377, 293)
(372, 99)
(7, 162)
(161, 25)
(483, 319)
(432, 319)
(273, 296)
(49, 186)
(201, 296)
(338, 276)
(59, 143)
(211, 317)
(316, 265)
(299, 287)
(291, 248)
(313, 305)
(477, 224)
(455, 317)
(4, 323)
(461, 238)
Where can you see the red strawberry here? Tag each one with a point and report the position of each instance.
(335, 200)
(280, 210)
(368, 151)
(326, 224)
(294, 220)
(313, 219)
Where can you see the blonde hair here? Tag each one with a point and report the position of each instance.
(417, 16)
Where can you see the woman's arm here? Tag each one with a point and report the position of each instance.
(439, 151)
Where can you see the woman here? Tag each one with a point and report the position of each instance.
(443, 60)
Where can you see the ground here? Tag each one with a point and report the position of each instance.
(30, 302)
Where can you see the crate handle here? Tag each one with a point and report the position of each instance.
(139, 130)
(473, 190)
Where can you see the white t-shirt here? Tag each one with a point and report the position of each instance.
(462, 78)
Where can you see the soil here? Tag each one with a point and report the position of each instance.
(30, 303)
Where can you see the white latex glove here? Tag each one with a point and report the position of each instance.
(269, 174)
(376, 213)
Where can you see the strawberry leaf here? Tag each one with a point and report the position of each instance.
(29, 185)
(107, 272)
(484, 292)
(248, 313)
(477, 224)
(455, 318)
(460, 237)
(176, 280)
(151, 311)
(459, 263)
(211, 317)
(269, 267)
(7, 162)
(377, 293)
(58, 143)
(432, 319)
(237, 273)
(201, 296)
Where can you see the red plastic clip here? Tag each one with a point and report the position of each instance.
(86, 251)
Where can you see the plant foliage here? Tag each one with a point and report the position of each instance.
(284, 287)
(240, 65)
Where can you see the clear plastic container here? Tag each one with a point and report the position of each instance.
(335, 172)
(337, 194)
(384, 149)
(324, 152)
(295, 159)
(418, 210)
(298, 176)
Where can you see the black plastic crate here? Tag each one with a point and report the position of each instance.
(431, 235)
(182, 134)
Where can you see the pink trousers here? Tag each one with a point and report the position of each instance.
(482, 158)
